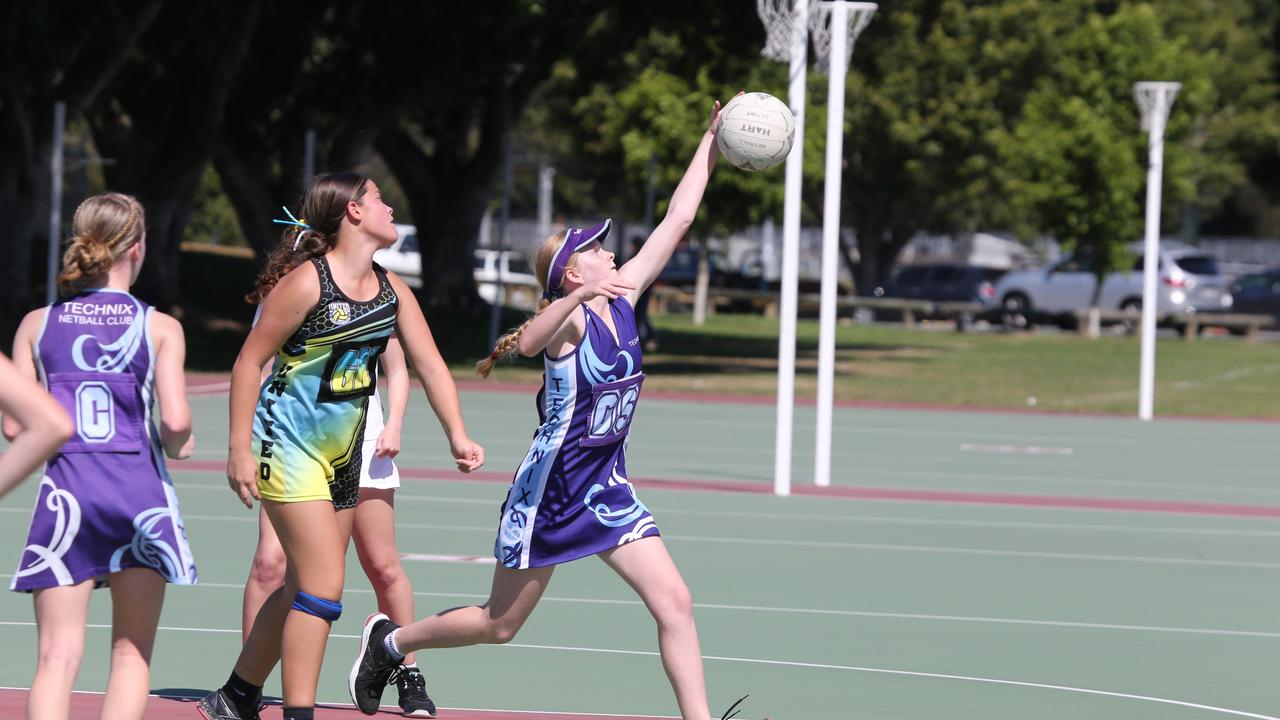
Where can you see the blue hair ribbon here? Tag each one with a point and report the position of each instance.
(301, 224)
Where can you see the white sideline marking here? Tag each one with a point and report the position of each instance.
(852, 613)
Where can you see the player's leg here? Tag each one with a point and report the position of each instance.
(374, 533)
(314, 537)
(647, 567)
(61, 614)
(266, 574)
(137, 594)
(513, 596)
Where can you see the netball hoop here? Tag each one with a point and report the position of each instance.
(823, 14)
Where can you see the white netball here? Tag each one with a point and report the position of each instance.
(755, 131)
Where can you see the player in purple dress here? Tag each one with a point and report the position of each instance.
(570, 497)
(106, 512)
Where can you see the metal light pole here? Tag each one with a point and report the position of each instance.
(55, 201)
(495, 313)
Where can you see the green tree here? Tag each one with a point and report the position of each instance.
(1074, 166)
(50, 52)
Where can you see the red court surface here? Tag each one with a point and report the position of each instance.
(86, 706)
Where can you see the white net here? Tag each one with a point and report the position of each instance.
(1155, 99)
(820, 14)
(777, 18)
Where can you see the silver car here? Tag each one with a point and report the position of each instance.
(1189, 282)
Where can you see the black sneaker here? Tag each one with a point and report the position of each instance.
(414, 701)
(218, 705)
(374, 665)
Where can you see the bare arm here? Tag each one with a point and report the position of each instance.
(421, 351)
(642, 269)
(282, 312)
(559, 324)
(171, 386)
(34, 423)
(397, 373)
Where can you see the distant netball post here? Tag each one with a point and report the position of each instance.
(835, 27)
(1154, 100)
(786, 24)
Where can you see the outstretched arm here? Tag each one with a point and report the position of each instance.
(641, 270)
(422, 353)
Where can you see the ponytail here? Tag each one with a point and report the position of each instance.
(507, 344)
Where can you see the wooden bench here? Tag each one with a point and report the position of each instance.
(1237, 323)
(1188, 325)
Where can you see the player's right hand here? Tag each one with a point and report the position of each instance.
(242, 476)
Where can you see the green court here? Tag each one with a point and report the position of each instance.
(1006, 580)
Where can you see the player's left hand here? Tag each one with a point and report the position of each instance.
(467, 455)
(388, 442)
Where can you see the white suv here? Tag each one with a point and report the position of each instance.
(521, 287)
(1189, 282)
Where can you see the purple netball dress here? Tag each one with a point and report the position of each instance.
(106, 502)
(570, 497)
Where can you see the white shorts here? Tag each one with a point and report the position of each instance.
(379, 473)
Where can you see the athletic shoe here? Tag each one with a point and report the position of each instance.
(414, 701)
(374, 665)
(218, 705)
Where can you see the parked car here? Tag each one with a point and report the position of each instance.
(682, 269)
(522, 288)
(520, 285)
(402, 258)
(1189, 282)
(946, 282)
(1258, 293)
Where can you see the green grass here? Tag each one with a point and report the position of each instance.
(738, 354)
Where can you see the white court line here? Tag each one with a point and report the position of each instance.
(815, 666)
(855, 546)
(849, 613)
(464, 559)
(1016, 449)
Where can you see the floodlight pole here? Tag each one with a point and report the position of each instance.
(838, 65)
(791, 252)
(1154, 116)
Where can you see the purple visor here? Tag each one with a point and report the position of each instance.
(575, 239)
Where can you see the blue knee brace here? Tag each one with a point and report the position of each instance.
(324, 609)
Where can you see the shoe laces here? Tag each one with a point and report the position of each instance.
(411, 682)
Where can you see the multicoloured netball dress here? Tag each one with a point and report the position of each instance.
(309, 425)
(570, 497)
(106, 502)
